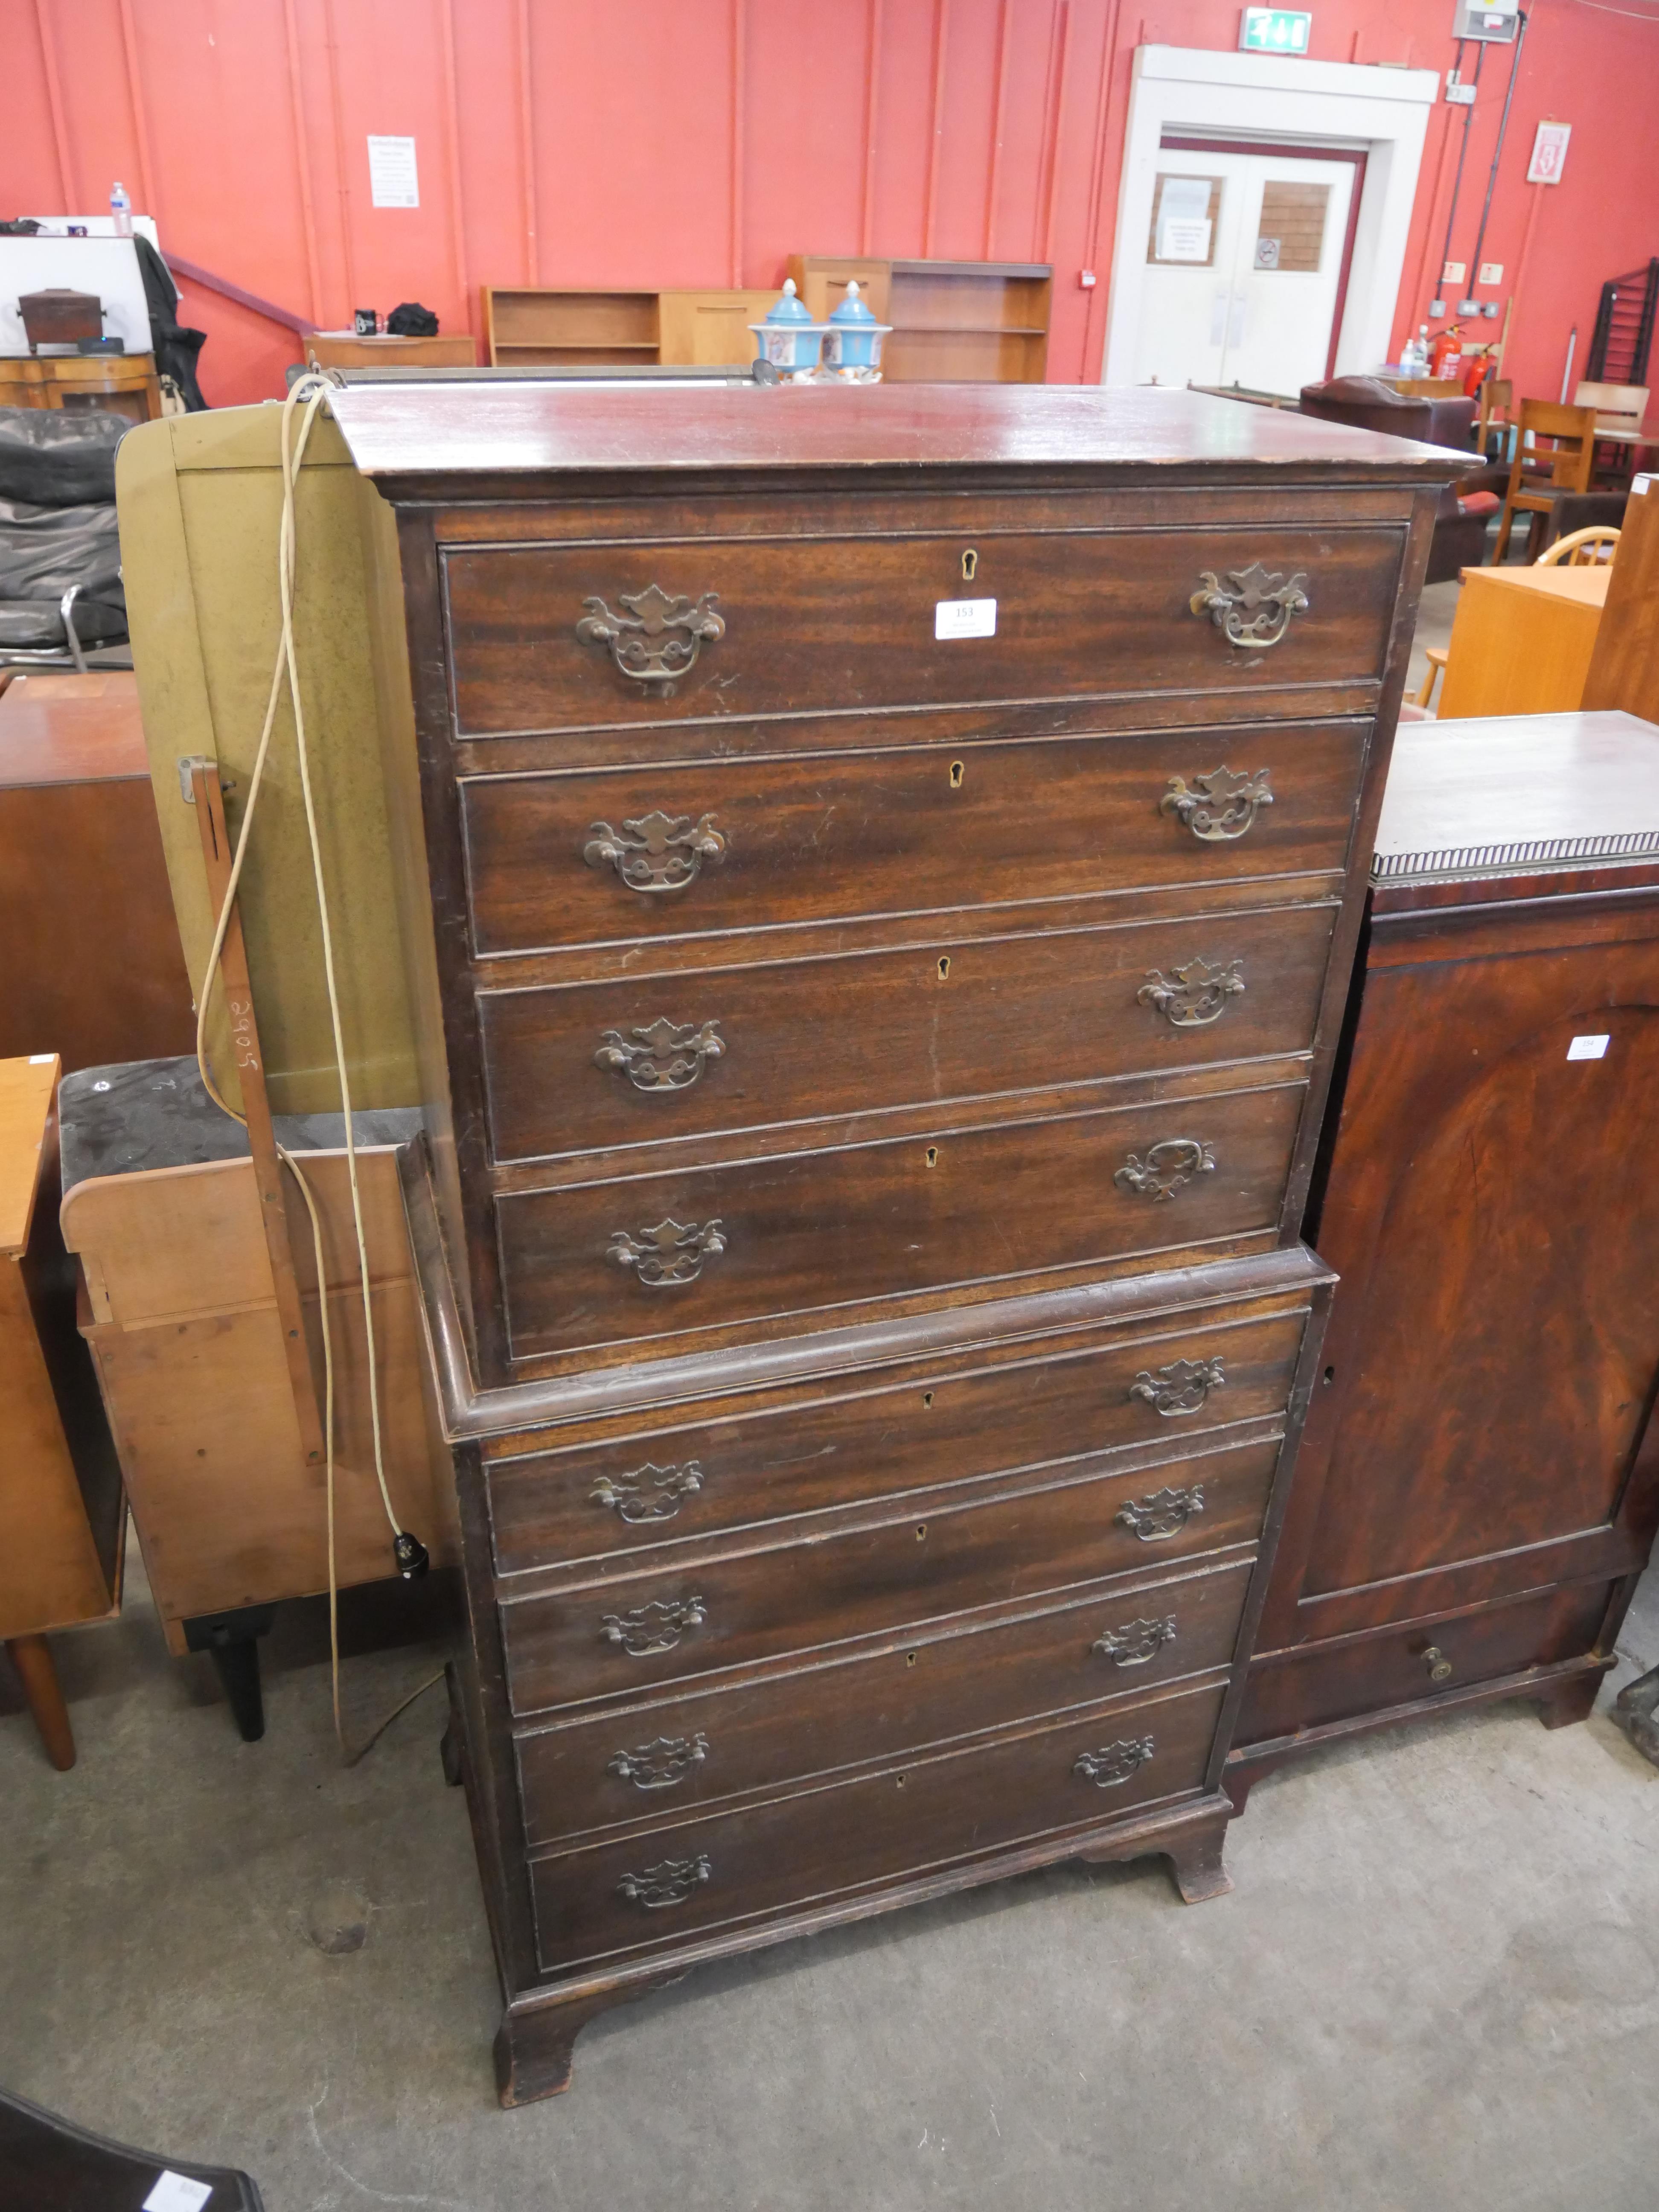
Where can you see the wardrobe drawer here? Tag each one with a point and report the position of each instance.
(567, 858)
(656, 1762)
(645, 1494)
(584, 1068)
(544, 637)
(612, 1637)
(1432, 1658)
(650, 1256)
(661, 1887)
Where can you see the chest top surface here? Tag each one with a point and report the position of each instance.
(417, 440)
(1517, 798)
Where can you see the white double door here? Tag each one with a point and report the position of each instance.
(1244, 265)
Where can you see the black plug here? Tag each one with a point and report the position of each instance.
(412, 1557)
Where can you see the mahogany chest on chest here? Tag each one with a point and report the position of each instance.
(879, 883)
(1479, 1485)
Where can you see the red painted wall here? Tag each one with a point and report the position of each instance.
(699, 141)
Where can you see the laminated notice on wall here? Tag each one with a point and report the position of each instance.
(392, 178)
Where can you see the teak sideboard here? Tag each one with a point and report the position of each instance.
(880, 880)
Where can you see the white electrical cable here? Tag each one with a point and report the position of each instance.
(312, 392)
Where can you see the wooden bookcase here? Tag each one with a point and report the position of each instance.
(568, 330)
(953, 322)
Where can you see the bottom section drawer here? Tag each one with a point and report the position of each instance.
(700, 1875)
(1337, 1682)
(651, 1762)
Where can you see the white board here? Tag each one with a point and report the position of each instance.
(108, 266)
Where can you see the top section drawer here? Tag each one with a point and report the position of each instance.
(544, 638)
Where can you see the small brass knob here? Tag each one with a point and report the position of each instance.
(1438, 1665)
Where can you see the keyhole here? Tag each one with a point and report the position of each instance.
(921, 1532)
(910, 1658)
(969, 565)
(927, 1398)
(944, 966)
(898, 1782)
(933, 1156)
(956, 775)
(1330, 1375)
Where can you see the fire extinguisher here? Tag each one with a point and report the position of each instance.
(1448, 355)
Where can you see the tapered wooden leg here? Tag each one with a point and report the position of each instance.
(32, 1658)
(533, 2047)
(1569, 1701)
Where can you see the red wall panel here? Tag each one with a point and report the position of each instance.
(700, 141)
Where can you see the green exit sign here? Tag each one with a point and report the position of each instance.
(1274, 31)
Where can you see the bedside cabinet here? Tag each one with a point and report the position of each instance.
(1479, 1484)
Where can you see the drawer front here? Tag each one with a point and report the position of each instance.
(544, 638)
(652, 1255)
(613, 1638)
(583, 1067)
(671, 1882)
(640, 1494)
(657, 1762)
(565, 860)
(1434, 1658)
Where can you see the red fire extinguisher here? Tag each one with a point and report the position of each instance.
(1446, 361)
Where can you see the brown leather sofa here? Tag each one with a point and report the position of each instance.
(1467, 507)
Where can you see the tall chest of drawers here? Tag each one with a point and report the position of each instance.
(878, 885)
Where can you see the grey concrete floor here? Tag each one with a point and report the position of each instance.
(1436, 1982)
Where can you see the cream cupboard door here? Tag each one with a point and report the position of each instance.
(1243, 262)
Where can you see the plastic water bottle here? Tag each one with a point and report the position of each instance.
(120, 208)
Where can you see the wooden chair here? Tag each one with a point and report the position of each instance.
(1436, 656)
(1594, 547)
(1620, 409)
(1497, 397)
(1555, 452)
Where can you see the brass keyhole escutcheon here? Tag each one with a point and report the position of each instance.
(910, 1658)
(956, 775)
(898, 1781)
(926, 1399)
(944, 966)
(970, 565)
(933, 1156)
(921, 1532)
(1438, 1665)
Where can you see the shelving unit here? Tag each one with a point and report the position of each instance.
(568, 330)
(953, 322)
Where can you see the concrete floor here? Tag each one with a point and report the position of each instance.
(1436, 1982)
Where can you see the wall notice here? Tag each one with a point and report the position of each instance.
(392, 178)
(1549, 154)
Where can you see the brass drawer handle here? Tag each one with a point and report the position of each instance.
(1218, 805)
(657, 1626)
(664, 1055)
(661, 1763)
(670, 1254)
(1110, 1768)
(661, 635)
(1137, 1643)
(1180, 1387)
(670, 1881)
(648, 1493)
(1193, 995)
(656, 853)
(1166, 1169)
(1438, 1665)
(1253, 608)
(1165, 1513)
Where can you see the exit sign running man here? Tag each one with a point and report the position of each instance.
(1274, 31)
